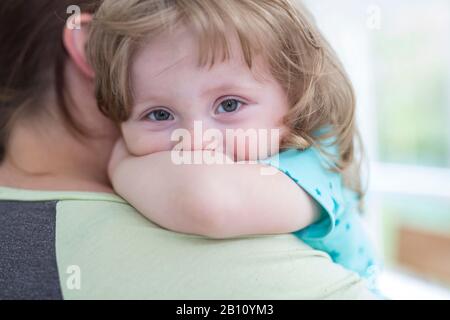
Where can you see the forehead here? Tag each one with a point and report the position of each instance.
(175, 54)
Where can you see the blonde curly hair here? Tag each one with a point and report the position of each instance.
(282, 31)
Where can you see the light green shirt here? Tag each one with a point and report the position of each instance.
(118, 254)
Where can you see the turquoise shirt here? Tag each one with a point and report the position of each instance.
(340, 231)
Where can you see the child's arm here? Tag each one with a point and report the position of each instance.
(218, 201)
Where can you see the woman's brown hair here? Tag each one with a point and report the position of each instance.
(32, 58)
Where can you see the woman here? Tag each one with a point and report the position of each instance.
(63, 232)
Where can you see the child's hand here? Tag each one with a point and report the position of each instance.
(119, 153)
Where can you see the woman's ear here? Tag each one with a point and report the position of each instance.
(75, 38)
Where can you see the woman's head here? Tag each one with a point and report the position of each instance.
(49, 119)
(274, 34)
(33, 60)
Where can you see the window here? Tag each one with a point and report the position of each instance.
(397, 54)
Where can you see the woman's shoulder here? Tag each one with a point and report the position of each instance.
(100, 247)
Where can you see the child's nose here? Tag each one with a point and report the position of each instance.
(200, 136)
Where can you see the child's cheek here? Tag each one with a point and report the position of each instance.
(143, 142)
(152, 143)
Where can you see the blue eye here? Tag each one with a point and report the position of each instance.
(228, 106)
(160, 115)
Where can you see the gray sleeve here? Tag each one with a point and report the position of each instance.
(28, 268)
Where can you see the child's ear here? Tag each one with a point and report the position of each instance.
(75, 37)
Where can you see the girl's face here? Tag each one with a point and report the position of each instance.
(171, 91)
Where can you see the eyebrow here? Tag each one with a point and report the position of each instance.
(226, 87)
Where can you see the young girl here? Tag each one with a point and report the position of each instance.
(163, 65)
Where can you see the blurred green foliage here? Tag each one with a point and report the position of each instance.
(411, 56)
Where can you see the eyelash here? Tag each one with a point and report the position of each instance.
(147, 114)
(239, 101)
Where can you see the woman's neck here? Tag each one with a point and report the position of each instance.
(55, 159)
